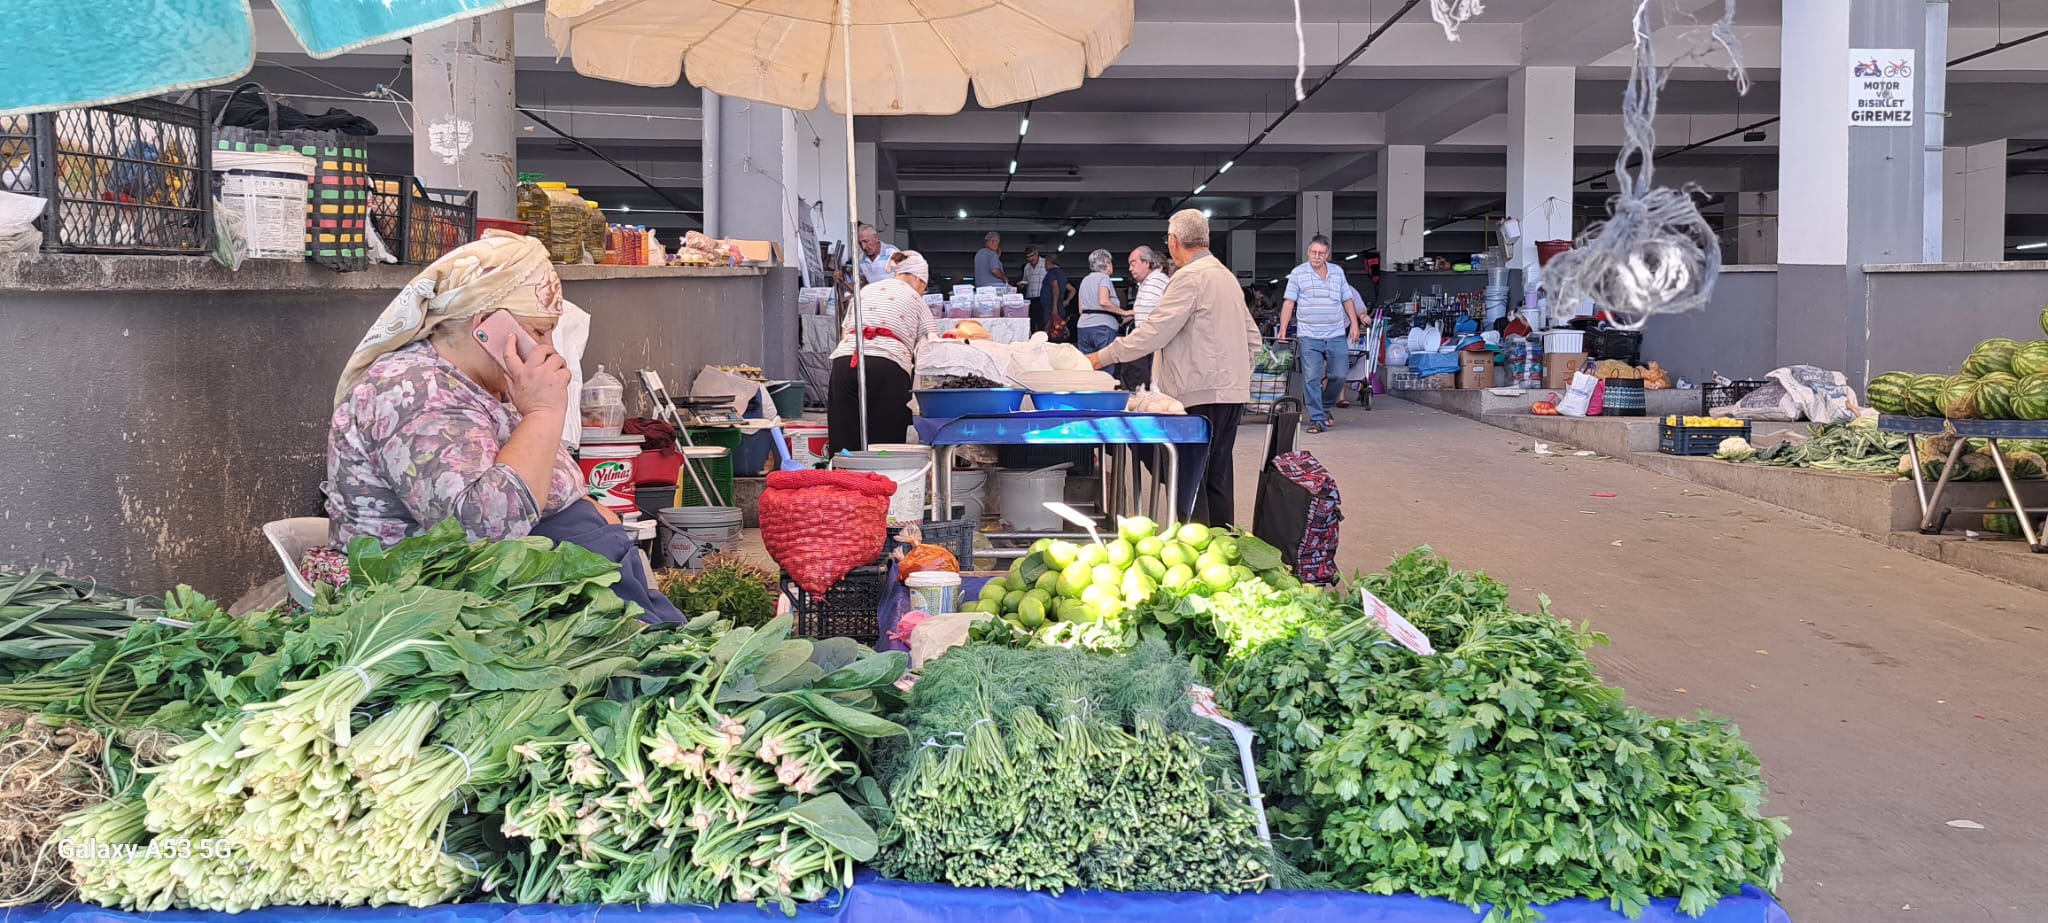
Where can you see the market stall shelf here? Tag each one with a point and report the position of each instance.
(1118, 433)
(2033, 521)
(875, 900)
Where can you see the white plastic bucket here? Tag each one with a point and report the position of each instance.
(806, 443)
(908, 469)
(1022, 496)
(1564, 341)
(690, 533)
(268, 190)
(970, 491)
(939, 589)
(608, 475)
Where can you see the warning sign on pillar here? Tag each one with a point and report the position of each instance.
(1881, 87)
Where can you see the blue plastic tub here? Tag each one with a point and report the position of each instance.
(946, 403)
(1082, 401)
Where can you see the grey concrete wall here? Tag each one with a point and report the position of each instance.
(162, 410)
(1819, 323)
(1736, 334)
(1928, 321)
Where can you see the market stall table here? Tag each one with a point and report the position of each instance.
(1934, 516)
(875, 900)
(1117, 431)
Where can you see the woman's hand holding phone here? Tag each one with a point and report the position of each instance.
(538, 382)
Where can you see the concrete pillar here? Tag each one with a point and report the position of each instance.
(1826, 234)
(1756, 228)
(1542, 114)
(1973, 202)
(1315, 215)
(1401, 218)
(821, 172)
(1244, 254)
(465, 134)
(756, 175)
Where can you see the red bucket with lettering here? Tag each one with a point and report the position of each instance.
(608, 475)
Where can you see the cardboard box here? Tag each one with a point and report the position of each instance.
(1475, 371)
(759, 251)
(1558, 368)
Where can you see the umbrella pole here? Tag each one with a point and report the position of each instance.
(860, 364)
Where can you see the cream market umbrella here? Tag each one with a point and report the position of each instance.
(863, 57)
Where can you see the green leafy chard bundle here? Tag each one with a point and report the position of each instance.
(1499, 771)
(721, 771)
(1051, 769)
(397, 699)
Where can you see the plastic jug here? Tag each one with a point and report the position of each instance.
(603, 405)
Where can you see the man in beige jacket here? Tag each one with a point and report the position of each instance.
(1206, 343)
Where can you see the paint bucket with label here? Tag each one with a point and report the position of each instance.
(608, 475)
(689, 534)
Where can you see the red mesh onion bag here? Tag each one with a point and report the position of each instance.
(819, 525)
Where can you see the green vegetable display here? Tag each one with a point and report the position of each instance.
(1051, 769)
(1854, 447)
(46, 618)
(724, 775)
(1144, 584)
(730, 585)
(1500, 771)
(497, 639)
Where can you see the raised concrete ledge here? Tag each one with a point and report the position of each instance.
(1982, 266)
(73, 272)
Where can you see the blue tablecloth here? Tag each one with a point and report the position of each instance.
(876, 901)
(1064, 428)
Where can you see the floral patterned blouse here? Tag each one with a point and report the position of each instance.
(415, 443)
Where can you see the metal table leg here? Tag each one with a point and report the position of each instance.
(942, 478)
(1928, 518)
(1171, 475)
(2013, 494)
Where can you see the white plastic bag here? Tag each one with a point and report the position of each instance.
(1579, 398)
(1798, 392)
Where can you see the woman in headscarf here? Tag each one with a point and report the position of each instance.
(421, 432)
(894, 320)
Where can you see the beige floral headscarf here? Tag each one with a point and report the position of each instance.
(499, 270)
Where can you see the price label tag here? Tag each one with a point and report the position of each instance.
(1202, 700)
(1396, 627)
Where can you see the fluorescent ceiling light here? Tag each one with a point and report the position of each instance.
(1063, 248)
(1023, 127)
(1013, 167)
(1070, 232)
(2036, 245)
(625, 208)
(1206, 213)
(1352, 257)
(1425, 231)
(1226, 167)
(962, 214)
(1198, 189)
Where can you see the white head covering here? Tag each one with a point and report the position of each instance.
(498, 270)
(912, 263)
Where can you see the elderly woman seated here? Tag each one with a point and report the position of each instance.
(422, 432)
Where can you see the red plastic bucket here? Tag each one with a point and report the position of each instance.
(608, 475)
(1546, 250)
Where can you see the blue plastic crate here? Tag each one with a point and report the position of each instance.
(1081, 401)
(946, 403)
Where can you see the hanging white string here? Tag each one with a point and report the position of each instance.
(1453, 13)
(1300, 54)
(1655, 253)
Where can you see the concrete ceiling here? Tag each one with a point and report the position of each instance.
(1200, 79)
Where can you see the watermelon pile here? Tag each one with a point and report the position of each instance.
(2002, 379)
(2001, 523)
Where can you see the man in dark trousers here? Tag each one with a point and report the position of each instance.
(1203, 342)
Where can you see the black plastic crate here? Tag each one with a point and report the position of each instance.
(1713, 395)
(1619, 345)
(1696, 440)
(954, 535)
(132, 177)
(847, 610)
(20, 169)
(420, 224)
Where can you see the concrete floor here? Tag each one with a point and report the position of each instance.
(1886, 694)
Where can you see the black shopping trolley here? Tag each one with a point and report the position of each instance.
(1296, 508)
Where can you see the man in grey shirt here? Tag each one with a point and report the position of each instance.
(988, 261)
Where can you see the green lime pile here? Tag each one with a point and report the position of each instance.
(1070, 594)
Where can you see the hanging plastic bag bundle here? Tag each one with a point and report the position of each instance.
(1655, 254)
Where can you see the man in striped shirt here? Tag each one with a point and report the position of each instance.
(1148, 268)
(1329, 323)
